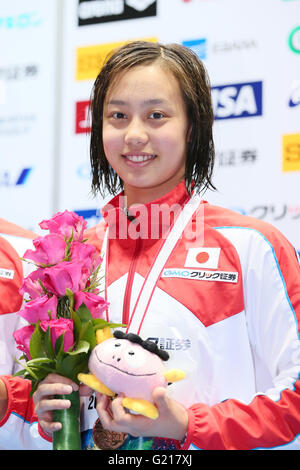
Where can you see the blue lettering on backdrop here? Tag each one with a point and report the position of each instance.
(238, 100)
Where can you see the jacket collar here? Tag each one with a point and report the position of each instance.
(146, 221)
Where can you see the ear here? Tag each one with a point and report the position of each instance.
(103, 333)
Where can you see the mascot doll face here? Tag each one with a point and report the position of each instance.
(127, 367)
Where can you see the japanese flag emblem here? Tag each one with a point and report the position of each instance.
(202, 258)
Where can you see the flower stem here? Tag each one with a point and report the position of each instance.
(68, 438)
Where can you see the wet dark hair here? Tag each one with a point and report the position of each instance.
(146, 344)
(195, 88)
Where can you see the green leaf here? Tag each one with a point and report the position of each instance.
(36, 348)
(100, 323)
(88, 334)
(70, 365)
(82, 347)
(48, 344)
(76, 326)
(59, 345)
(83, 313)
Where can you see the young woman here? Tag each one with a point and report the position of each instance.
(218, 290)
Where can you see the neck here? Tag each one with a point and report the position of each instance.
(136, 196)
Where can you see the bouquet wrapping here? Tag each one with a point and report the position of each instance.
(64, 310)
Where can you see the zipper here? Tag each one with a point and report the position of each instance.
(128, 289)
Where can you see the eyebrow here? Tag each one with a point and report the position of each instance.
(152, 101)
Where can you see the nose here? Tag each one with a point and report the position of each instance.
(136, 134)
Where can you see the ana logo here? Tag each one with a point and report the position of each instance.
(9, 179)
(199, 46)
(294, 40)
(202, 258)
(291, 152)
(102, 11)
(21, 21)
(240, 100)
(82, 117)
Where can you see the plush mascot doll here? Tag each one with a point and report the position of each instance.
(124, 363)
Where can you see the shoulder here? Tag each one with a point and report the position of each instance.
(95, 235)
(254, 235)
(9, 228)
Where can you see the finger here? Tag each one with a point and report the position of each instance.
(56, 378)
(52, 404)
(161, 400)
(50, 427)
(119, 413)
(51, 389)
(104, 411)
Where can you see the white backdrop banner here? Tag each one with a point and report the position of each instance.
(27, 99)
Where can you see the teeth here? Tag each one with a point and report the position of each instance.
(139, 158)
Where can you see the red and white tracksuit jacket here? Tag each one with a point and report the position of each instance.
(14, 241)
(221, 293)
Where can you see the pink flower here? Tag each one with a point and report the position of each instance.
(94, 303)
(62, 276)
(84, 253)
(31, 285)
(65, 223)
(22, 338)
(50, 249)
(39, 309)
(57, 328)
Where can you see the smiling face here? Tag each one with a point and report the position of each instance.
(145, 129)
(127, 367)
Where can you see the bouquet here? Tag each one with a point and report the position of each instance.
(64, 310)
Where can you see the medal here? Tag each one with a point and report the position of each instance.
(107, 440)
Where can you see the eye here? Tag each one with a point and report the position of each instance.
(118, 115)
(117, 345)
(156, 115)
(135, 358)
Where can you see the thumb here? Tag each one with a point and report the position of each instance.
(160, 398)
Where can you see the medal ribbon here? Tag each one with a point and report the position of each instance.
(146, 292)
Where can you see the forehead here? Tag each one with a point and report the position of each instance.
(148, 80)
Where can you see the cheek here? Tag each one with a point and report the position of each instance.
(111, 140)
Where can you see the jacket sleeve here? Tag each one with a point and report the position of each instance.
(271, 283)
(19, 428)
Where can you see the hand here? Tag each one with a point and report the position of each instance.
(172, 422)
(45, 402)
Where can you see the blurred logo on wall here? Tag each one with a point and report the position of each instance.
(237, 157)
(239, 100)
(89, 59)
(294, 99)
(199, 46)
(20, 21)
(291, 152)
(294, 40)
(10, 178)
(103, 11)
(92, 216)
(82, 117)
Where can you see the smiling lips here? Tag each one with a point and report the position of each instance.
(138, 158)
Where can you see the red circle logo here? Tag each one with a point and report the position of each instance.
(202, 257)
